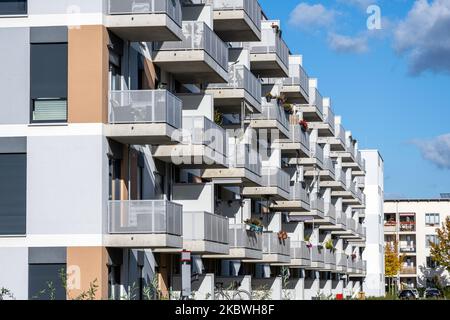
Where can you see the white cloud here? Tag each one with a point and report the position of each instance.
(436, 150)
(424, 36)
(346, 44)
(307, 16)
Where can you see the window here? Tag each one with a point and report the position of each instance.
(431, 238)
(13, 7)
(431, 263)
(40, 276)
(48, 76)
(13, 194)
(432, 219)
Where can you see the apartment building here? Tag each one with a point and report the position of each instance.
(413, 223)
(131, 130)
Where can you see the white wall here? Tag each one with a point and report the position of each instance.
(374, 252)
(14, 271)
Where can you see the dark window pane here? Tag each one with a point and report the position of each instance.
(12, 7)
(45, 282)
(13, 181)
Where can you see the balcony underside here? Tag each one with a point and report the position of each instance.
(144, 241)
(308, 163)
(335, 144)
(192, 156)
(274, 193)
(316, 265)
(229, 100)
(334, 185)
(338, 227)
(268, 65)
(273, 258)
(325, 221)
(144, 27)
(142, 133)
(326, 176)
(291, 206)
(194, 66)
(311, 114)
(296, 263)
(239, 254)
(292, 149)
(206, 247)
(235, 26)
(346, 195)
(325, 131)
(233, 176)
(344, 155)
(309, 216)
(295, 94)
(270, 125)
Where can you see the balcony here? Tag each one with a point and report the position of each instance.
(300, 256)
(244, 244)
(317, 257)
(205, 233)
(244, 167)
(314, 161)
(203, 144)
(298, 202)
(313, 112)
(144, 117)
(407, 249)
(269, 58)
(297, 146)
(360, 182)
(145, 20)
(407, 226)
(325, 129)
(337, 143)
(144, 223)
(330, 213)
(237, 20)
(329, 260)
(272, 117)
(390, 226)
(275, 184)
(200, 56)
(275, 250)
(341, 262)
(296, 87)
(408, 270)
(242, 86)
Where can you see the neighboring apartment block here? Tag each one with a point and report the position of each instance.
(413, 223)
(133, 129)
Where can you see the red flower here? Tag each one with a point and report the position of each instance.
(303, 124)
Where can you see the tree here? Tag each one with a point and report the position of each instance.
(392, 263)
(440, 251)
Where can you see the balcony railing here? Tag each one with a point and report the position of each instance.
(297, 77)
(198, 130)
(243, 156)
(299, 193)
(121, 7)
(351, 224)
(341, 218)
(407, 226)
(272, 111)
(331, 211)
(340, 176)
(205, 226)
(145, 217)
(407, 249)
(271, 42)
(276, 177)
(299, 250)
(144, 106)
(251, 7)
(316, 99)
(340, 133)
(329, 257)
(318, 204)
(408, 270)
(329, 118)
(317, 254)
(240, 77)
(240, 237)
(198, 36)
(300, 136)
(328, 165)
(272, 244)
(341, 259)
(316, 152)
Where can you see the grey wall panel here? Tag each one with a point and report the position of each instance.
(65, 6)
(48, 34)
(14, 271)
(13, 145)
(13, 194)
(15, 79)
(47, 255)
(39, 277)
(67, 185)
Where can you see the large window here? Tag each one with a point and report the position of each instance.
(13, 7)
(13, 194)
(49, 82)
(432, 219)
(431, 238)
(45, 281)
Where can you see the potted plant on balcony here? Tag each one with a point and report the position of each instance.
(281, 99)
(255, 225)
(218, 117)
(269, 97)
(304, 125)
(329, 245)
(288, 108)
(282, 235)
(353, 256)
(308, 243)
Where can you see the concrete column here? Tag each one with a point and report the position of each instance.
(205, 289)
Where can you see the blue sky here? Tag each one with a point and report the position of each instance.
(391, 86)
